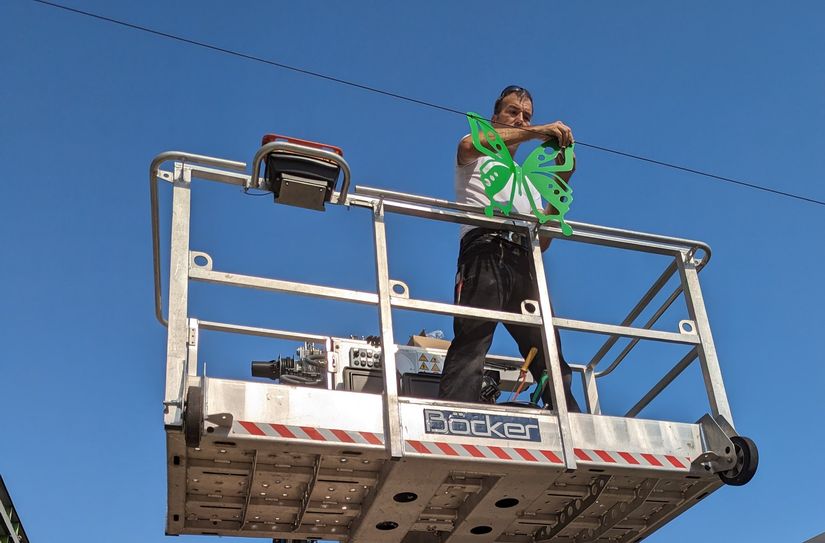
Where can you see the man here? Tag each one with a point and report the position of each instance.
(495, 268)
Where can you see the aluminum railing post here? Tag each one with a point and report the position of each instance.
(711, 372)
(392, 418)
(552, 359)
(177, 343)
(591, 391)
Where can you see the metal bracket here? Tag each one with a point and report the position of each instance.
(378, 207)
(165, 175)
(171, 403)
(527, 304)
(183, 175)
(699, 263)
(192, 347)
(404, 291)
(222, 420)
(199, 259)
(719, 450)
(726, 426)
(687, 326)
(534, 230)
(249, 489)
(574, 510)
(618, 512)
(299, 518)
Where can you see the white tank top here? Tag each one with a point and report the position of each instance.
(470, 190)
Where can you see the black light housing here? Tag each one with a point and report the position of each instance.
(300, 180)
(268, 370)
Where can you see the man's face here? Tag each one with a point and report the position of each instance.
(515, 110)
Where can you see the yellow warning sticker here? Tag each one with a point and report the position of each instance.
(422, 358)
(436, 367)
(423, 367)
(434, 360)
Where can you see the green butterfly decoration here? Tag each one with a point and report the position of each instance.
(540, 170)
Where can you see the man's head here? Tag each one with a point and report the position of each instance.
(514, 107)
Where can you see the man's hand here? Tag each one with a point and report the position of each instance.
(565, 175)
(558, 130)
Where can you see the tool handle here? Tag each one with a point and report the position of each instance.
(529, 360)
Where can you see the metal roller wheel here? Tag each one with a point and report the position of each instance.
(747, 460)
(193, 417)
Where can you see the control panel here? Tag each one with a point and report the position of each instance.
(365, 356)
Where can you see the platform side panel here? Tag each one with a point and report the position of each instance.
(636, 442)
(499, 434)
(294, 413)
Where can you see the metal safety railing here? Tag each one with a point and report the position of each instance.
(689, 257)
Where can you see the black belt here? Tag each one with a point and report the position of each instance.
(522, 240)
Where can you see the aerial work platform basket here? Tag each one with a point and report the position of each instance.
(385, 461)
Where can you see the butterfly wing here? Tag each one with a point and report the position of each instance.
(499, 169)
(493, 146)
(495, 177)
(542, 172)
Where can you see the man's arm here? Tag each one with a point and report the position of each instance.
(515, 136)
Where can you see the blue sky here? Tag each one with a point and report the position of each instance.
(735, 88)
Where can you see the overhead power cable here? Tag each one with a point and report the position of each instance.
(413, 100)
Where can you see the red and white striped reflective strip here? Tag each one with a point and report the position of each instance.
(622, 458)
(543, 456)
(308, 433)
(464, 450)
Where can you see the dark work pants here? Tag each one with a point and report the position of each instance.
(493, 273)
